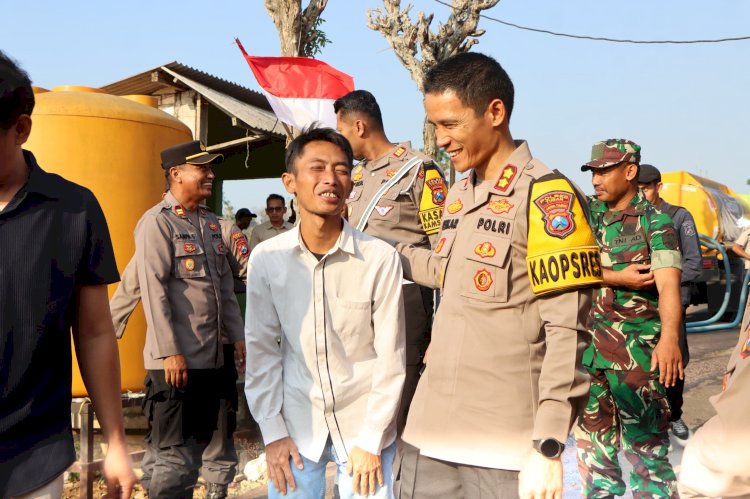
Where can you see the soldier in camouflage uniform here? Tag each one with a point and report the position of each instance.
(634, 323)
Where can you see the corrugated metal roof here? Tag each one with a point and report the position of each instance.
(143, 84)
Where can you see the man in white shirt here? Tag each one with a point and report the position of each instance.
(325, 336)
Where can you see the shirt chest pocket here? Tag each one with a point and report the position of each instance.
(190, 260)
(350, 320)
(487, 276)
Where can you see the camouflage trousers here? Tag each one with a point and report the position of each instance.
(625, 409)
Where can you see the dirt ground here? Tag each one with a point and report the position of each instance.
(709, 355)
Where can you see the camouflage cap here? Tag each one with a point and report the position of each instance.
(611, 152)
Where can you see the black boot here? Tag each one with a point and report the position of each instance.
(216, 491)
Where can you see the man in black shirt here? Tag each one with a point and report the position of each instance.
(56, 260)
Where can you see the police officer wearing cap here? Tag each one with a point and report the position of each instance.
(649, 180)
(188, 300)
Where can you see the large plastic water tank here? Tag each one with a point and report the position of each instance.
(111, 145)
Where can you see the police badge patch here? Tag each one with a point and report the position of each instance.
(483, 280)
(485, 250)
(437, 187)
(556, 207)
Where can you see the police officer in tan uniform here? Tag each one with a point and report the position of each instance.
(188, 300)
(220, 457)
(398, 195)
(514, 260)
(716, 460)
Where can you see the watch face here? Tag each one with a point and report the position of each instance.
(551, 447)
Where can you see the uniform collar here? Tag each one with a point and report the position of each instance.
(506, 179)
(636, 207)
(395, 154)
(345, 242)
(171, 203)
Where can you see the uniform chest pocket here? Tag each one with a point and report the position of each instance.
(386, 211)
(625, 249)
(488, 272)
(190, 259)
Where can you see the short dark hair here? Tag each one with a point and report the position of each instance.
(16, 94)
(277, 197)
(313, 134)
(475, 78)
(360, 102)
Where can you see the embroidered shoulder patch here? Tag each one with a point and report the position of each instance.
(432, 201)
(556, 207)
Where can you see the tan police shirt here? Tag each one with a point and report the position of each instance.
(238, 253)
(504, 365)
(186, 285)
(266, 231)
(715, 462)
(409, 212)
(128, 293)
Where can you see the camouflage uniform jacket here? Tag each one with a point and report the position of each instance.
(625, 323)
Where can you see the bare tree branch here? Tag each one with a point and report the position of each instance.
(418, 48)
(294, 25)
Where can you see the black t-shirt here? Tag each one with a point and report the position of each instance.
(53, 238)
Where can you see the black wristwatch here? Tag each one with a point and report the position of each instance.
(549, 447)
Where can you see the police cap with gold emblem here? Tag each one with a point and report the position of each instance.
(190, 153)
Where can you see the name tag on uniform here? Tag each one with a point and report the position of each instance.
(628, 239)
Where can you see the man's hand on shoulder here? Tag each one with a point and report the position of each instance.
(540, 477)
(175, 371)
(118, 471)
(635, 276)
(366, 471)
(277, 460)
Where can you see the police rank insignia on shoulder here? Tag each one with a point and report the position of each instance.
(432, 201)
(562, 253)
(506, 178)
(179, 210)
(399, 152)
(357, 174)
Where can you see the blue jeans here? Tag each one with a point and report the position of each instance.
(311, 479)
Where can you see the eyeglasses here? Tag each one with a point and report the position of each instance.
(272, 209)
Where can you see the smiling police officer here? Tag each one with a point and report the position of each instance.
(188, 300)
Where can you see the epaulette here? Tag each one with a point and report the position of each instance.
(562, 252)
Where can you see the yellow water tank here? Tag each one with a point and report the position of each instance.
(719, 212)
(110, 145)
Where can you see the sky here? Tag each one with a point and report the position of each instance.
(688, 106)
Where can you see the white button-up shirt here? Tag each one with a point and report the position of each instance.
(325, 342)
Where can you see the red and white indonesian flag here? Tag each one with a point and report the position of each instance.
(300, 90)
